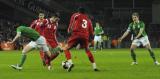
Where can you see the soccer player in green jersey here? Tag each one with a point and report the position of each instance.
(98, 31)
(137, 28)
(37, 41)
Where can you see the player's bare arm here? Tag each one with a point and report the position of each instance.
(16, 37)
(123, 36)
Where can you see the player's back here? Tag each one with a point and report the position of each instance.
(82, 25)
(28, 32)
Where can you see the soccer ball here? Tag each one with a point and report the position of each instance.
(65, 64)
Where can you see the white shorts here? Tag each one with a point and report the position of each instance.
(40, 43)
(97, 38)
(143, 40)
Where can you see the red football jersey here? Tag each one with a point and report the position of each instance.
(39, 25)
(72, 21)
(50, 33)
(81, 25)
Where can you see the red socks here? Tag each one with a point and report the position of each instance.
(90, 56)
(67, 54)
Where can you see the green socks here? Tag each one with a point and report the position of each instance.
(133, 55)
(152, 54)
(22, 60)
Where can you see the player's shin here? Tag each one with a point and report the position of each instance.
(91, 58)
(53, 56)
(152, 54)
(67, 54)
(42, 57)
(133, 55)
(23, 58)
(47, 60)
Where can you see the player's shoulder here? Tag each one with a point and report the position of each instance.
(141, 22)
(35, 20)
(21, 27)
(75, 14)
(131, 23)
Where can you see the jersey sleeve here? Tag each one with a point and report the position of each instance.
(18, 31)
(129, 27)
(142, 26)
(72, 20)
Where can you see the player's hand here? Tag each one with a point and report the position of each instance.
(136, 38)
(10, 42)
(63, 46)
(119, 40)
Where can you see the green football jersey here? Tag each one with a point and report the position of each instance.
(28, 32)
(98, 30)
(134, 28)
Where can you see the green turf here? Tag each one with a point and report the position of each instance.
(113, 64)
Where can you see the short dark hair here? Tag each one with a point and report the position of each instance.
(55, 15)
(41, 12)
(135, 14)
(81, 10)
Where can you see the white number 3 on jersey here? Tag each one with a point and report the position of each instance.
(84, 23)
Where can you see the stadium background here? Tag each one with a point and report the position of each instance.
(113, 15)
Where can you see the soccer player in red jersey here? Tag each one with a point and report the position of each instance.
(80, 28)
(39, 25)
(50, 35)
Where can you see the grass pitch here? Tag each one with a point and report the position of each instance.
(113, 64)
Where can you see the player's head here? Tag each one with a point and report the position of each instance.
(41, 15)
(81, 10)
(54, 18)
(135, 16)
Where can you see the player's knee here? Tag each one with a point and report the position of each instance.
(131, 49)
(148, 47)
(24, 52)
(87, 49)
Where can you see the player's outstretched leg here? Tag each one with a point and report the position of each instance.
(152, 54)
(23, 58)
(19, 66)
(91, 59)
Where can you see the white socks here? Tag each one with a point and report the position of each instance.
(94, 65)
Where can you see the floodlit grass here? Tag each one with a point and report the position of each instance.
(113, 64)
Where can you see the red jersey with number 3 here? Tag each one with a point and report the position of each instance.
(81, 25)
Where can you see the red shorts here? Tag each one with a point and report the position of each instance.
(52, 43)
(75, 40)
